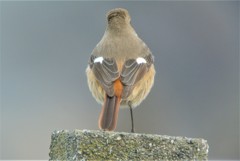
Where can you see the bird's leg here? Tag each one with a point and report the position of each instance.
(131, 112)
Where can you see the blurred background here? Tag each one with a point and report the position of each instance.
(45, 47)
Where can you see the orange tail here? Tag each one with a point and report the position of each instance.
(109, 114)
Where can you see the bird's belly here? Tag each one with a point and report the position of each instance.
(95, 87)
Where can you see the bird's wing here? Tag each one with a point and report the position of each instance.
(106, 72)
(133, 71)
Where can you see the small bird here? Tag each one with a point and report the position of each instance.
(120, 71)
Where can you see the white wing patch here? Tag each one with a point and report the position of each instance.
(98, 60)
(141, 60)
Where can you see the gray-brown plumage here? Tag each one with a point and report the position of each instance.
(120, 70)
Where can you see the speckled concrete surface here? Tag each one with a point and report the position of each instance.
(100, 145)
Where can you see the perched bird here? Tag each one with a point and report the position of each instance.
(120, 70)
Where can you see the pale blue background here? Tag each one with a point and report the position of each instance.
(45, 48)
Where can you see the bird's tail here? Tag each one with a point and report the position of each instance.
(109, 114)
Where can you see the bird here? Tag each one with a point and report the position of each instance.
(120, 70)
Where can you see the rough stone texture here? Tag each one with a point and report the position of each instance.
(100, 145)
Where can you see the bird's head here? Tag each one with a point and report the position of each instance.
(119, 14)
(118, 18)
